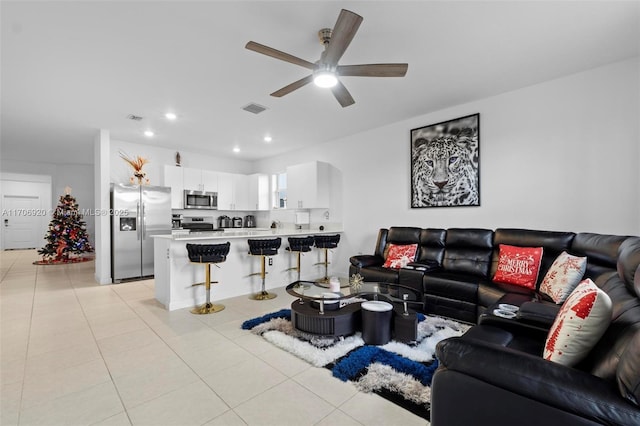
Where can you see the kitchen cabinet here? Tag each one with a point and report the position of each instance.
(173, 178)
(200, 180)
(233, 192)
(209, 181)
(308, 185)
(259, 192)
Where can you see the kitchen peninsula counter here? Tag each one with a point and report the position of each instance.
(174, 274)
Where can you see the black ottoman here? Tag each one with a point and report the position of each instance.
(376, 322)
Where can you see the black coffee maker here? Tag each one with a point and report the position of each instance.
(249, 221)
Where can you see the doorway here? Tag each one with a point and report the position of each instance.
(21, 221)
(26, 210)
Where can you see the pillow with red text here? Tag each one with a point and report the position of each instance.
(399, 256)
(563, 276)
(581, 322)
(518, 265)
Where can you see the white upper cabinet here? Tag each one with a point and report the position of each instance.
(209, 181)
(241, 193)
(259, 191)
(200, 180)
(192, 179)
(233, 192)
(308, 185)
(173, 178)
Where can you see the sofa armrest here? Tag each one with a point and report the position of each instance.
(535, 378)
(423, 266)
(365, 260)
(543, 314)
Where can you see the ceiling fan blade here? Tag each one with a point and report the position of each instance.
(342, 95)
(293, 86)
(373, 70)
(343, 32)
(269, 51)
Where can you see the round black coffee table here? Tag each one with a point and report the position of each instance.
(317, 311)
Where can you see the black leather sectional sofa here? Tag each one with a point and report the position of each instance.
(495, 373)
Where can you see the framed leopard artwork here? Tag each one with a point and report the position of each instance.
(445, 163)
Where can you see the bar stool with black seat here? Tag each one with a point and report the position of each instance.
(263, 248)
(207, 255)
(299, 245)
(326, 242)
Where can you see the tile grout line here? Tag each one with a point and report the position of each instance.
(115, 386)
(26, 353)
(179, 357)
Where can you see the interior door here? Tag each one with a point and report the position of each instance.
(21, 220)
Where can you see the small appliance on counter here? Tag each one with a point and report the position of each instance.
(224, 221)
(237, 222)
(198, 223)
(176, 221)
(250, 221)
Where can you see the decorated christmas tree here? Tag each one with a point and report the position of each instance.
(67, 237)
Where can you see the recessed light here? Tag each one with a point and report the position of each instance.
(170, 116)
(267, 139)
(236, 149)
(148, 133)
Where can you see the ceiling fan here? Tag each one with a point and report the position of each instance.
(325, 71)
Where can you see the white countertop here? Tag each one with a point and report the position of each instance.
(246, 233)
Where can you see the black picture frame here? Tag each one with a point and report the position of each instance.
(445, 163)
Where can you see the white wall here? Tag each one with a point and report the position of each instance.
(562, 155)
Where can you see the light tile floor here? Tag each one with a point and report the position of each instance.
(74, 352)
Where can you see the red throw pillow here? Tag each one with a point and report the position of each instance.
(518, 265)
(399, 256)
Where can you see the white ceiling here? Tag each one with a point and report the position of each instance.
(70, 68)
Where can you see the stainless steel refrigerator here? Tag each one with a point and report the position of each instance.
(138, 213)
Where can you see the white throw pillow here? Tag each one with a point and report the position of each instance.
(563, 276)
(579, 325)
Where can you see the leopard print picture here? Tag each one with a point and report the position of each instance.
(444, 170)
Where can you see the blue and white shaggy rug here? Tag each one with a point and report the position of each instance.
(397, 371)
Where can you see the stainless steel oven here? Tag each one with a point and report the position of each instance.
(200, 200)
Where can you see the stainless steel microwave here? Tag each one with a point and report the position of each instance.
(200, 200)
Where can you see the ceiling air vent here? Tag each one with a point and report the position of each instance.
(254, 108)
(134, 117)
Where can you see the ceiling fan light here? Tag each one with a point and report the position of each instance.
(325, 79)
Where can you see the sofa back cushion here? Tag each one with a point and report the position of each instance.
(401, 236)
(628, 372)
(603, 360)
(468, 251)
(381, 242)
(432, 243)
(601, 251)
(552, 242)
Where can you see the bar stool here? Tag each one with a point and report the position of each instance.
(326, 242)
(263, 248)
(207, 255)
(299, 245)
